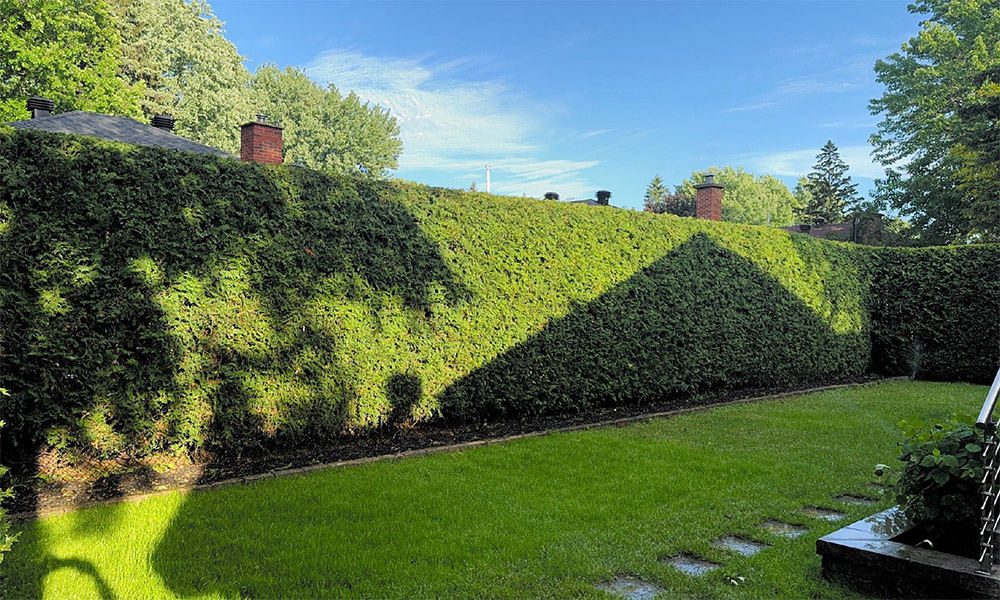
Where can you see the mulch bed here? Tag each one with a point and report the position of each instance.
(133, 480)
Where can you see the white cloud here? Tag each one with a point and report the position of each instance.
(800, 162)
(455, 125)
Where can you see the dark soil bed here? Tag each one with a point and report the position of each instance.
(68, 486)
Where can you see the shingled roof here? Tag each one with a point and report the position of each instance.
(116, 129)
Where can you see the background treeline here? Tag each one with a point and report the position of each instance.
(154, 300)
(139, 58)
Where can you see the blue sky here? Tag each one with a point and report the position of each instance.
(573, 97)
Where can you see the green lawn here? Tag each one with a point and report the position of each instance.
(541, 517)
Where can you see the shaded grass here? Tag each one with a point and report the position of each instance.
(542, 517)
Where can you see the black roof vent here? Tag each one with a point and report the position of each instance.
(603, 196)
(551, 196)
(40, 107)
(165, 122)
(805, 227)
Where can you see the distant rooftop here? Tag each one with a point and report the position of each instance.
(115, 129)
(826, 231)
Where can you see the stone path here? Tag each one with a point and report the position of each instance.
(634, 588)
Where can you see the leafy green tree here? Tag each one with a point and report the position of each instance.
(979, 154)
(324, 130)
(831, 192)
(801, 192)
(934, 108)
(66, 51)
(756, 200)
(176, 49)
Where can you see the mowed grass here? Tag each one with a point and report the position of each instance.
(539, 518)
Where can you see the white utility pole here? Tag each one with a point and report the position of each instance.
(487, 179)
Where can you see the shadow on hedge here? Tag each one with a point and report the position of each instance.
(610, 351)
(148, 297)
(633, 344)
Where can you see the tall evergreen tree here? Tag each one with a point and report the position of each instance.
(830, 188)
(656, 193)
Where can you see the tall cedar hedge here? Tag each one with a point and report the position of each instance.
(154, 300)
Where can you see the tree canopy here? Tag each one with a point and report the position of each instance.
(139, 58)
(831, 192)
(323, 130)
(939, 122)
(748, 198)
(177, 49)
(68, 52)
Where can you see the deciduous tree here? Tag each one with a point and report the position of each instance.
(756, 200)
(67, 51)
(938, 90)
(324, 130)
(177, 49)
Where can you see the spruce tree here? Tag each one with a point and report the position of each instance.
(656, 193)
(830, 187)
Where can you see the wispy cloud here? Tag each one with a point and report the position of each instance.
(800, 162)
(590, 134)
(454, 121)
(751, 107)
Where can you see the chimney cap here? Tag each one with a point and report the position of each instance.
(42, 103)
(709, 182)
(165, 122)
(262, 117)
(40, 107)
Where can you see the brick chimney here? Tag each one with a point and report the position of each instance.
(708, 201)
(261, 142)
(40, 107)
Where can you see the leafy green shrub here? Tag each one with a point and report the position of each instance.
(939, 484)
(6, 538)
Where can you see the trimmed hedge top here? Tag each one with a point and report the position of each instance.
(154, 300)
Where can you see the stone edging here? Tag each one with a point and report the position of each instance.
(25, 516)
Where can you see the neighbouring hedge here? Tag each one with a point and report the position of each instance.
(937, 312)
(154, 300)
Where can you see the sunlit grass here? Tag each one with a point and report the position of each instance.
(543, 517)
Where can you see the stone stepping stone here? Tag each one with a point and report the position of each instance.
(855, 500)
(740, 545)
(815, 512)
(692, 565)
(630, 588)
(783, 529)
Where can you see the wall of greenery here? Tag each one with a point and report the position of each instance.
(937, 312)
(162, 301)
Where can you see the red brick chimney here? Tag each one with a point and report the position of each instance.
(708, 201)
(261, 142)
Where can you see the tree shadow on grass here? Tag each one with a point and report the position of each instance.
(629, 344)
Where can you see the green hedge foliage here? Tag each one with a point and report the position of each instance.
(162, 301)
(937, 312)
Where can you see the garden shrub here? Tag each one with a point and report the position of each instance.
(938, 486)
(155, 301)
